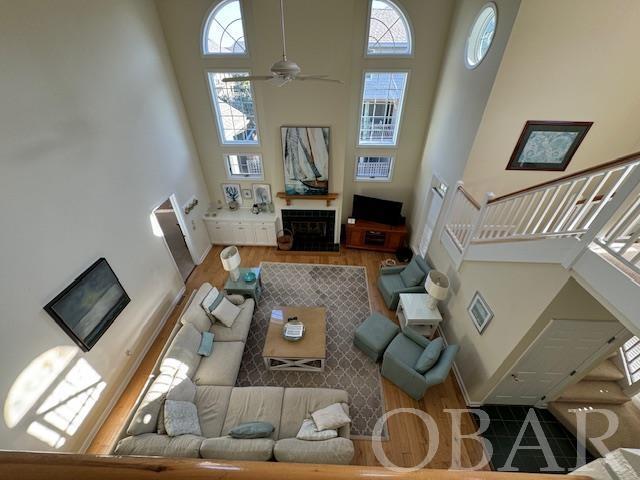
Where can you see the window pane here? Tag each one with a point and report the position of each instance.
(389, 32)
(244, 166)
(374, 168)
(382, 99)
(481, 36)
(223, 32)
(234, 108)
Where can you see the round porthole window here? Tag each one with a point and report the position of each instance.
(481, 35)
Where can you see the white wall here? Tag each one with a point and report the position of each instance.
(324, 37)
(566, 60)
(93, 136)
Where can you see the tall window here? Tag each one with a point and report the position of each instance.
(389, 32)
(382, 99)
(373, 169)
(234, 108)
(223, 31)
(245, 166)
(481, 35)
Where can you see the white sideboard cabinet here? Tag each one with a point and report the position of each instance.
(241, 227)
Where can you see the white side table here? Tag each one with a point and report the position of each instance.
(413, 312)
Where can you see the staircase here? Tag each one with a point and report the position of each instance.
(589, 222)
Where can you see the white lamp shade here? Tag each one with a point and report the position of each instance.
(230, 258)
(437, 285)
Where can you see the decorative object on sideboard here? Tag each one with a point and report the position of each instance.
(437, 286)
(480, 312)
(305, 152)
(232, 195)
(230, 258)
(190, 205)
(89, 305)
(247, 193)
(255, 209)
(261, 192)
(547, 145)
(285, 239)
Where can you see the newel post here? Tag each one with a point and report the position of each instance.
(477, 224)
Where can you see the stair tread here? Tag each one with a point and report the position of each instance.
(606, 371)
(594, 392)
(626, 435)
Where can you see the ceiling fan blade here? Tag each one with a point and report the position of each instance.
(279, 81)
(318, 78)
(247, 78)
(304, 77)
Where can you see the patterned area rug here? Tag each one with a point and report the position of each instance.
(343, 291)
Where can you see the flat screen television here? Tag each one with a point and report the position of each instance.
(87, 307)
(377, 210)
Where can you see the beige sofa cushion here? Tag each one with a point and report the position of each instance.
(152, 444)
(254, 404)
(182, 355)
(222, 366)
(227, 448)
(145, 419)
(212, 403)
(337, 451)
(194, 314)
(299, 403)
(239, 331)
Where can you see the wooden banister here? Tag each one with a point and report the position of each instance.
(60, 466)
(469, 197)
(603, 166)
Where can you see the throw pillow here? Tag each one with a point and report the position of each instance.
(252, 430)
(236, 299)
(308, 431)
(183, 391)
(181, 418)
(226, 312)
(206, 344)
(211, 301)
(429, 356)
(412, 275)
(330, 418)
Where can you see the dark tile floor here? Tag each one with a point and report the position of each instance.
(505, 424)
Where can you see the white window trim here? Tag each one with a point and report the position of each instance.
(473, 24)
(216, 113)
(405, 17)
(388, 179)
(203, 32)
(232, 176)
(400, 108)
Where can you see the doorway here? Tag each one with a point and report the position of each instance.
(564, 348)
(434, 202)
(174, 237)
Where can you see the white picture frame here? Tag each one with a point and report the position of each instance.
(229, 196)
(247, 193)
(261, 193)
(480, 312)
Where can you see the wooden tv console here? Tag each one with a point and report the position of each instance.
(376, 236)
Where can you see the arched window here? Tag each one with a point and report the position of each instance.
(389, 31)
(223, 32)
(481, 35)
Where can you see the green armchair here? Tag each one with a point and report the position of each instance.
(391, 283)
(401, 356)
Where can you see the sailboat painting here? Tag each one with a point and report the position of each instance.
(306, 160)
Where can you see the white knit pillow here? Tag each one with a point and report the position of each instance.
(330, 418)
(226, 312)
(308, 431)
(181, 418)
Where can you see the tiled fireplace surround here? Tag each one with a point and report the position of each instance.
(313, 230)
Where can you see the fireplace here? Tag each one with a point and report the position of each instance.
(313, 230)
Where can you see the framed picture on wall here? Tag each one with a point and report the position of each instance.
(547, 146)
(232, 194)
(261, 193)
(479, 312)
(305, 152)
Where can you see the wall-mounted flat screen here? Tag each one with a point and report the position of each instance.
(87, 307)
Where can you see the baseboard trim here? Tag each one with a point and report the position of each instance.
(458, 376)
(132, 370)
(204, 255)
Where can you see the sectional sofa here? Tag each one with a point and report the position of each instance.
(221, 406)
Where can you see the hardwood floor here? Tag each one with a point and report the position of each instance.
(408, 438)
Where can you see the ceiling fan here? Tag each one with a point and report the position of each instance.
(285, 70)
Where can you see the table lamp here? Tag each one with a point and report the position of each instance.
(230, 258)
(437, 285)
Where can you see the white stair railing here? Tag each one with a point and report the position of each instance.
(574, 206)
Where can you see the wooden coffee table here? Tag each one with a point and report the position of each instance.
(305, 355)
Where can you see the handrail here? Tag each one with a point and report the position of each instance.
(603, 166)
(469, 197)
(60, 466)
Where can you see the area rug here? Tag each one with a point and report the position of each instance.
(343, 291)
